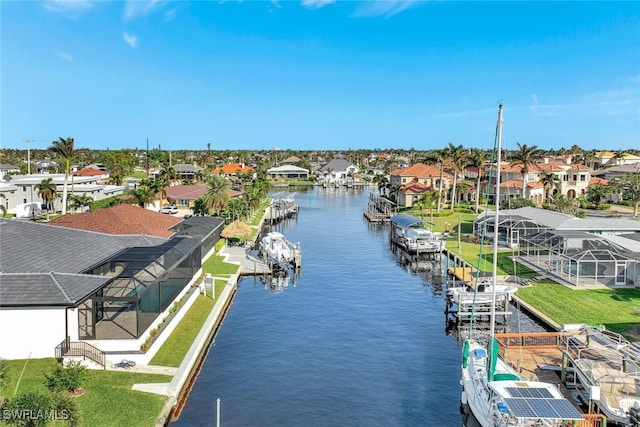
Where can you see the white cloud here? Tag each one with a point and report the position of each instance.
(68, 8)
(130, 40)
(138, 8)
(316, 4)
(386, 8)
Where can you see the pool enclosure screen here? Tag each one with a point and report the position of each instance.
(580, 258)
(145, 282)
(511, 228)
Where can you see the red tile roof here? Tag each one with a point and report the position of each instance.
(232, 168)
(598, 181)
(518, 184)
(90, 172)
(419, 170)
(121, 219)
(415, 188)
(185, 192)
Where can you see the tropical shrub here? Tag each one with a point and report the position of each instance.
(66, 379)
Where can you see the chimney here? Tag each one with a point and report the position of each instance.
(546, 160)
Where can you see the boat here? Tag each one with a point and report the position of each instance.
(278, 251)
(607, 367)
(410, 234)
(494, 391)
(482, 293)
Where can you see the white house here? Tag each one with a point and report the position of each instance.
(337, 171)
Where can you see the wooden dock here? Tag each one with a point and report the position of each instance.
(539, 357)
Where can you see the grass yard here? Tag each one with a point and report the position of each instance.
(216, 265)
(444, 223)
(177, 345)
(471, 251)
(617, 309)
(108, 399)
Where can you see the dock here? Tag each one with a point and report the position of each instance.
(540, 357)
(282, 207)
(379, 209)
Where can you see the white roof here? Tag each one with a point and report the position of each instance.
(287, 168)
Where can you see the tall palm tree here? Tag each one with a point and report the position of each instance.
(63, 148)
(630, 186)
(217, 195)
(549, 181)
(457, 158)
(526, 157)
(47, 191)
(439, 157)
(478, 159)
(426, 199)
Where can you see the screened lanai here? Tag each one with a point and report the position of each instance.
(145, 282)
(580, 258)
(511, 228)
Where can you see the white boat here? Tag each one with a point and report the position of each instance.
(493, 390)
(278, 250)
(480, 294)
(410, 233)
(608, 368)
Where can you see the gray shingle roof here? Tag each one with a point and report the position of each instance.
(28, 247)
(47, 288)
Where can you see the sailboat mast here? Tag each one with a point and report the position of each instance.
(494, 272)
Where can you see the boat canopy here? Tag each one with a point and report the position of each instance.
(404, 220)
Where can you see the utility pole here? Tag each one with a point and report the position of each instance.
(28, 142)
(147, 159)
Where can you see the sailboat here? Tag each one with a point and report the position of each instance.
(495, 393)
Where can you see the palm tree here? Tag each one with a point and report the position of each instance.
(79, 202)
(144, 195)
(526, 156)
(440, 157)
(426, 199)
(47, 190)
(478, 158)
(63, 148)
(457, 157)
(549, 181)
(217, 194)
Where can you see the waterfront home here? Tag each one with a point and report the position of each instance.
(288, 172)
(186, 195)
(416, 179)
(610, 158)
(62, 286)
(338, 171)
(232, 170)
(573, 180)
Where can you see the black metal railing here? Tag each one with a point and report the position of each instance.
(85, 350)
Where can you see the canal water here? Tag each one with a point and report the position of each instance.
(358, 339)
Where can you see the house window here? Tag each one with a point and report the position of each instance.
(404, 180)
(24, 200)
(575, 177)
(565, 177)
(24, 188)
(583, 178)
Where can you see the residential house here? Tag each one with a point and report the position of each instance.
(573, 180)
(610, 158)
(232, 170)
(338, 171)
(186, 195)
(288, 172)
(8, 169)
(186, 172)
(426, 175)
(22, 189)
(106, 290)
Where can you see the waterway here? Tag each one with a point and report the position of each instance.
(358, 339)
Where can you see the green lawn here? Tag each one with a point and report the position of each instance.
(216, 265)
(177, 345)
(444, 223)
(108, 399)
(471, 251)
(617, 309)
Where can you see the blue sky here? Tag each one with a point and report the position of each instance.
(319, 74)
